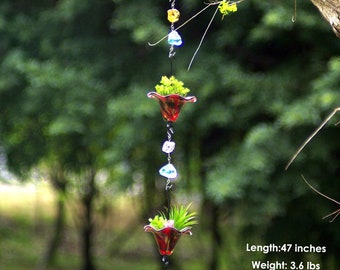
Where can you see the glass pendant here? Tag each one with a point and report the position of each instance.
(168, 147)
(174, 38)
(168, 171)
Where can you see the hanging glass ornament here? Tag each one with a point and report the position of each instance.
(174, 38)
(168, 229)
(169, 171)
(168, 147)
(166, 238)
(173, 15)
(171, 96)
(171, 105)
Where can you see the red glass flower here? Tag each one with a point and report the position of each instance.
(166, 238)
(171, 104)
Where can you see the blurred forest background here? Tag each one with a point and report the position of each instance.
(81, 143)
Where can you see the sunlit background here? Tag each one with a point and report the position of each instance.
(80, 142)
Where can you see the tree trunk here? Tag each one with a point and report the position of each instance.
(330, 10)
(215, 237)
(59, 184)
(210, 222)
(88, 222)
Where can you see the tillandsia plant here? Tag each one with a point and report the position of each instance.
(168, 86)
(179, 218)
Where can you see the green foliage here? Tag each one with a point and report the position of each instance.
(170, 86)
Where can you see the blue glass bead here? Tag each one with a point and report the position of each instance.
(174, 38)
(168, 171)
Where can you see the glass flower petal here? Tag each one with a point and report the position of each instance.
(171, 105)
(166, 238)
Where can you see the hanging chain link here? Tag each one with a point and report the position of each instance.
(172, 28)
(170, 132)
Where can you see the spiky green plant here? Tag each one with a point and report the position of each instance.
(179, 218)
(168, 86)
(182, 217)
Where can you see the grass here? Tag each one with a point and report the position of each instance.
(26, 215)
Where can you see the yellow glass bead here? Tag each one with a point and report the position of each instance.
(173, 15)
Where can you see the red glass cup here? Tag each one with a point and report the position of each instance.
(171, 105)
(166, 238)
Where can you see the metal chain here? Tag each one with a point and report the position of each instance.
(168, 185)
(170, 132)
(172, 28)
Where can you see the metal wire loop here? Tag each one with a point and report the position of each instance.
(170, 130)
(168, 185)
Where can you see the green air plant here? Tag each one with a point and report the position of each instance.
(179, 218)
(168, 86)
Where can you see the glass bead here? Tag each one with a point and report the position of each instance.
(168, 171)
(174, 38)
(173, 15)
(168, 147)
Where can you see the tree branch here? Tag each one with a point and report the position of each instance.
(330, 10)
